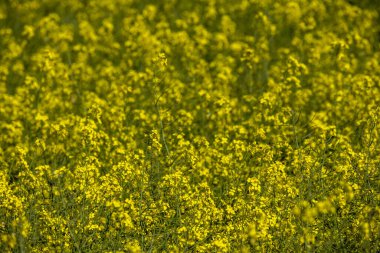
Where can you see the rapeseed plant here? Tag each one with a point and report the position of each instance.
(189, 126)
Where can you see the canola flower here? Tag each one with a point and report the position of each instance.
(189, 126)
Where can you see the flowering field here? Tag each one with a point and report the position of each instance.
(189, 126)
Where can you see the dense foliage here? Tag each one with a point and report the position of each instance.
(189, 126)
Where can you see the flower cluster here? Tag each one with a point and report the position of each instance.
(189, 126)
